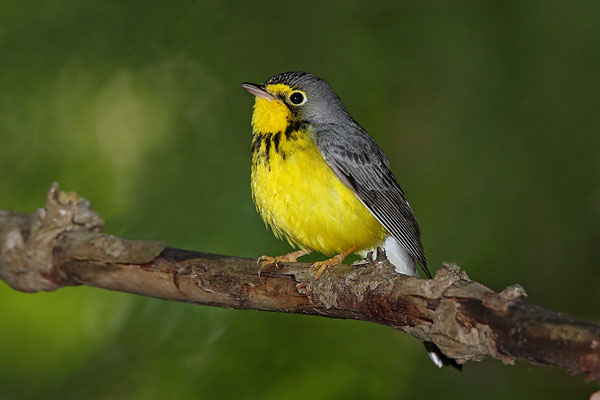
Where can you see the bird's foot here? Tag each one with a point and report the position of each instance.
(321, 266)
(266, 261)
(335, 260)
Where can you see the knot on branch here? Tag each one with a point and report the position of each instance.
(444, 301)
(27, 245)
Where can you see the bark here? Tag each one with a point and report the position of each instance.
(62, 245)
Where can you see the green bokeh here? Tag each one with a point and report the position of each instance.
(488, 112)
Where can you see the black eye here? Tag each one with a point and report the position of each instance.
(297, 98)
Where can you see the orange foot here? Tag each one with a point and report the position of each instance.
(335, 260)
(265, 261)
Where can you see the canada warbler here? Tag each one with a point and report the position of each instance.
(320, 181)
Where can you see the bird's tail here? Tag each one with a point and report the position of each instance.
(439, 358)
(405, 264)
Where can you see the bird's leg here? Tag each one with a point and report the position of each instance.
(264, 260)
(335, 260)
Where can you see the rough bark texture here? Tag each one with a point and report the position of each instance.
(61, 245)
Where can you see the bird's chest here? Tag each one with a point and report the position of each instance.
(298, 195)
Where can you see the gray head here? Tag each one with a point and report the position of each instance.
(307, 97)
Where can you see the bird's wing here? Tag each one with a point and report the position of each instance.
(358, 162)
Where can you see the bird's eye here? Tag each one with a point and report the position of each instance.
(297, 98)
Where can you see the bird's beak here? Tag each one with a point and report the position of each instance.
(258, 90)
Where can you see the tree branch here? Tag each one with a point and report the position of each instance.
(61, 245)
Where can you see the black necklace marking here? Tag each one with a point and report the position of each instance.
(273, 141)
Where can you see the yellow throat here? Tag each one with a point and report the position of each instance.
(271, 115)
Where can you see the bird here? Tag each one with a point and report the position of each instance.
(321, 182)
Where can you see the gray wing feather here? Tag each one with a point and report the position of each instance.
(357, 161)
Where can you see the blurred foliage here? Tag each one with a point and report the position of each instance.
(488, 112)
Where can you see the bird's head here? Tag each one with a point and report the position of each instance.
(293, 97)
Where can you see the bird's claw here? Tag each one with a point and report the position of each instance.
(321, 266)
(265, 261)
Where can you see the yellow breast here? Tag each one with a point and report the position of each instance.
(300, 198)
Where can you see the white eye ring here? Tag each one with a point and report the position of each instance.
(297, 98)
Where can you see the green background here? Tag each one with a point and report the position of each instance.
(488, 112)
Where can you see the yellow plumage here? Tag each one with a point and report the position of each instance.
(295, 191)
